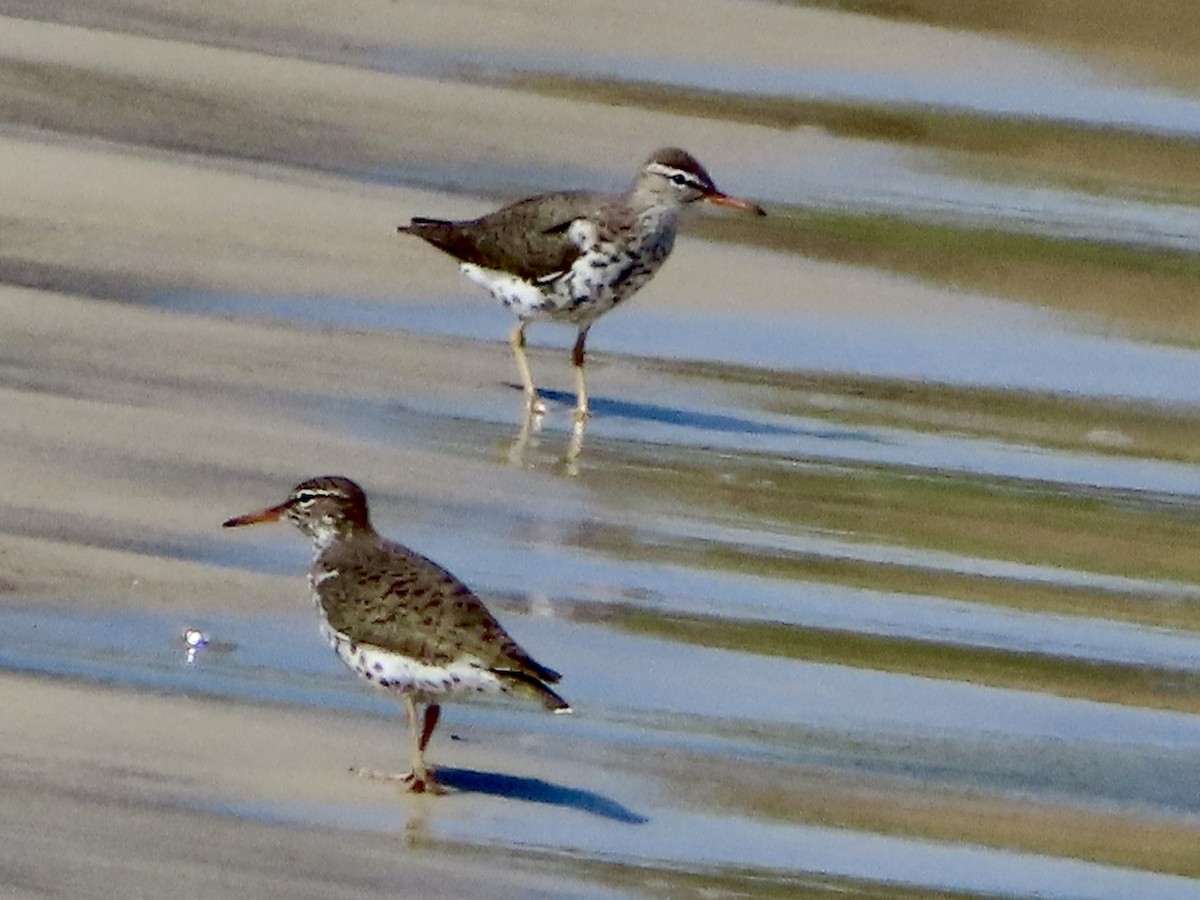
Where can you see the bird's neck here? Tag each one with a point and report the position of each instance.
(326, 534)
(646, 201)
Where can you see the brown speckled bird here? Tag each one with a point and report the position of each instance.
(571, 257)
(399, 620)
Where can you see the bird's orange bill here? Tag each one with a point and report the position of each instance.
(274, 514)
(720, 199)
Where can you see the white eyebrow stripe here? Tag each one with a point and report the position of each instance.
(309, 494)
(661, 169)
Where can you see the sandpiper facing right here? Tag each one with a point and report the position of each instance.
(571, 257)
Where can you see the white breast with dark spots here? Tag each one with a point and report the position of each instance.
(606, 272)
(395, 672)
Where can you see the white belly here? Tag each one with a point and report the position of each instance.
(524, 298)
(391, 671)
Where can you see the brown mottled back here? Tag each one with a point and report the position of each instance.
(390, 597)
(528, 238)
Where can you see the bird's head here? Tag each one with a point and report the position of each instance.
(322, 508)
(674, 176)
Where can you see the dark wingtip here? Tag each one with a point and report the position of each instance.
(422, 227)
(555, 703)
(535, 686)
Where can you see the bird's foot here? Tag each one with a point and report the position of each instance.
(415, 782)
(422, 783)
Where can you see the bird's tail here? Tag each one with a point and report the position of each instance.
(529, 687)
(423, 227)
(446, 236)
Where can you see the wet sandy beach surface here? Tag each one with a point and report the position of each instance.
(869, 580)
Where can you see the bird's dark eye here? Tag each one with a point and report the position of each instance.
(679, 179)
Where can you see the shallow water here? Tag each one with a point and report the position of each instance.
(569, 579)
(967, 641)
(681, 701)
(874, 176)
(1033, 84)
(833, 719)
(988, 344)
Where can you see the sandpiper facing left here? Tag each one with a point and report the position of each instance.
(399, 620)
(571, 257)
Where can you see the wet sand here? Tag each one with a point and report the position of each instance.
(225, 148)
(125, 427)
(113, 792)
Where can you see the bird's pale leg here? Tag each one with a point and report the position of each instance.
(577, 357)
(517, 341)
(420, 780)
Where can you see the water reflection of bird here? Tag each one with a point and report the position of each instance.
(571, 257)
(399, 620)
(528, 439)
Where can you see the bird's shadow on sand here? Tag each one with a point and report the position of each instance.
(704, 421)
(535, 790)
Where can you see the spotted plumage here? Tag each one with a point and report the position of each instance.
(399, 620)
(571, 257)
